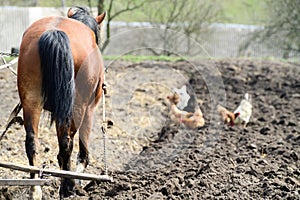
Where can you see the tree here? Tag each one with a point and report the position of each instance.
(100, 6)
(63, 3)
(111, 13)
(281, 29)
(197, 17)
(191, 17)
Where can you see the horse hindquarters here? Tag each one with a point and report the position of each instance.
(58, 84)
(58, 88)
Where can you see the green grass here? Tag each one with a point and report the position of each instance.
(136, 59)
(8, 58)
(244, 11)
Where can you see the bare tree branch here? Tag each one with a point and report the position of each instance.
(281, 30)
(190, 17)
(128, 8)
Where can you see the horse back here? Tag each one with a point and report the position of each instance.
(82, 39)
(87, 57)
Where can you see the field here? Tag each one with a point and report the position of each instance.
(149, 158)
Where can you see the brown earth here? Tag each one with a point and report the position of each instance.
(149, 158)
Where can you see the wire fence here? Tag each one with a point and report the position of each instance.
(222, 41)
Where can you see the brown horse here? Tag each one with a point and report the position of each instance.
(60, 69)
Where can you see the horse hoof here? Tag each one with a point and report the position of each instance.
(80, 191)
(67, 188)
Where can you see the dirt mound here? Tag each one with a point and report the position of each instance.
(150, 158)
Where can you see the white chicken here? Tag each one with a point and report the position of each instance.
(244, 110)
(184, 97)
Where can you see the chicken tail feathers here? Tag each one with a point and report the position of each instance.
(248, 97)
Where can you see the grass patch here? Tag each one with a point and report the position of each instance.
(136, 59)
(244, 11)
(8, 58)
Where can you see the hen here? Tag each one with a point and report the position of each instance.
(175, 113)
(189, 119)
(184, 97)
(244, 110)
(193, 120)
(227, 116)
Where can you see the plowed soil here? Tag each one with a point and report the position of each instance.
(150, 158)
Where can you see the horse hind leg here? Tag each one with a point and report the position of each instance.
(65, 140)
(86, 129)
(31, 121)
(84, 137)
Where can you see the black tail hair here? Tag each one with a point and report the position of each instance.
(58, 75)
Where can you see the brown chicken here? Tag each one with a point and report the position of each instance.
(194, 120)
(175, 113)
(227, 116)
(190, 120)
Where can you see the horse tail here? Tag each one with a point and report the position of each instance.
(58, 83)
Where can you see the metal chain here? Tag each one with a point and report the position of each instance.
(104, 126)
(42, 171)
